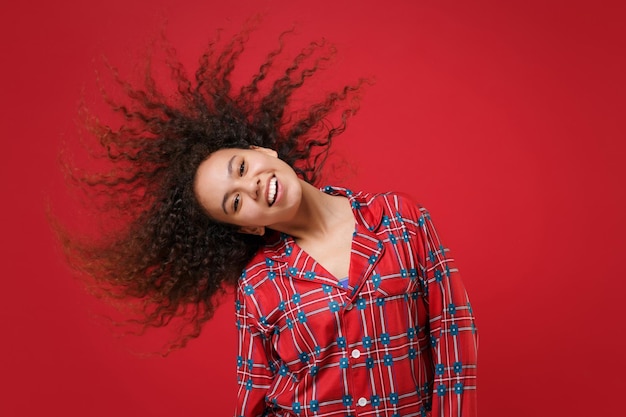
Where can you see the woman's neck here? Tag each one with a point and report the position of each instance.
(319, 214)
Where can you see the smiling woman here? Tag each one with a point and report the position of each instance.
(344, 300)
(251, 188)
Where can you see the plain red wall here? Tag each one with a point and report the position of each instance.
(506, 119)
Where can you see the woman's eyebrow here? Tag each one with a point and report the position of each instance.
(230, 173)
(230, 165)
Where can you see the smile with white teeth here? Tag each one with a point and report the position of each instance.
(271, 195)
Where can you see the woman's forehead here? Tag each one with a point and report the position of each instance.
(218, 160)
(212, 178)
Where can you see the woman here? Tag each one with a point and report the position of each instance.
(348, 303)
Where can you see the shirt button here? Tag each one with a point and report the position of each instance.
(349, 306)
(362, 402)
(356, 353)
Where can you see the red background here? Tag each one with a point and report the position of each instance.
(506, 119)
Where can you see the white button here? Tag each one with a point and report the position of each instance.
(362, 402)
(349, 306)
(356, 353)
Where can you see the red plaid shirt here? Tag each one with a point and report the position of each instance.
(399, 340)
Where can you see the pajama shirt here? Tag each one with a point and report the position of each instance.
(398, 339)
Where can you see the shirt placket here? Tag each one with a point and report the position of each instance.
(366, 252)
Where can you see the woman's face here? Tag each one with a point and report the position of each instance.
(251, 188)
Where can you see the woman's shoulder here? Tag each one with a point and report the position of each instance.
(361, 198)
(402, 207)
(385, 207)
(396, 201)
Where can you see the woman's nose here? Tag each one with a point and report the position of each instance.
(252, 186)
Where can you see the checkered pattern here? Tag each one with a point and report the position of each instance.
(400, 340)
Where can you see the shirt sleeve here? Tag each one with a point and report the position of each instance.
(255, 364)
(453, 334)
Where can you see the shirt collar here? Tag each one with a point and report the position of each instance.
(366, 213)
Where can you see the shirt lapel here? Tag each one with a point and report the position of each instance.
(366, 248)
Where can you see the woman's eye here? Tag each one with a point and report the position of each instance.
(236, 203)
(242, 168)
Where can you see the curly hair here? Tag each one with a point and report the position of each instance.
(168, 257)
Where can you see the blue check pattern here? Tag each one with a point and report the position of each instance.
(398, 340)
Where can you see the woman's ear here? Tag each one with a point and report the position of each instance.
(267, 151)
(252, 230)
